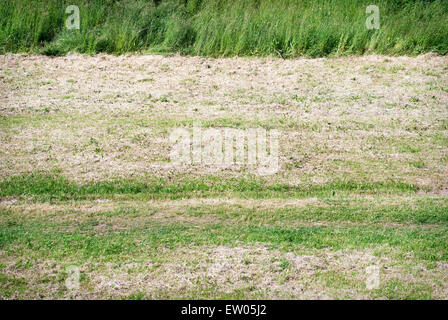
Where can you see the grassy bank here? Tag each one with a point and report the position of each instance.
(214, 28)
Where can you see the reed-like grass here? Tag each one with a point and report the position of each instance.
(286, 28)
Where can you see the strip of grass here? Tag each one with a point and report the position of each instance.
(51, 186)
(43, 241)
(382, 210)
(211, 27)
(425, 211)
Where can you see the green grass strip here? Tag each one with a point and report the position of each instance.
(50, 186)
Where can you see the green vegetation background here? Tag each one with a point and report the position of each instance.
(286, 28)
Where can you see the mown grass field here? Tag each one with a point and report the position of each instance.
(86, 180)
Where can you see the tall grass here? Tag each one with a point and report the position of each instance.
(287, 28)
